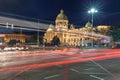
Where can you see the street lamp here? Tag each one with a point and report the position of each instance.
(38, 35)
(92, 11)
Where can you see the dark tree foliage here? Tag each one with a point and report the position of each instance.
(115, 32)
(12, 42)
(56, 41)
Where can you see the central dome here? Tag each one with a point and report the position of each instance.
(61, 16)
(88, 24)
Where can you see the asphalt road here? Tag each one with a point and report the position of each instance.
(91, 70)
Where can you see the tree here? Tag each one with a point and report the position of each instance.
(56, 40)
(115, 32)
(12, 42)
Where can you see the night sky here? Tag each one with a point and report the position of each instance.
(76, 10)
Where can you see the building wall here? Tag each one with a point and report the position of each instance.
(17, 37)
(66, 38)
(72, 36)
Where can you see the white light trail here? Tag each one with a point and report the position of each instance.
(23, 23)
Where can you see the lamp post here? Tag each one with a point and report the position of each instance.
(92, 11)
(38, 35)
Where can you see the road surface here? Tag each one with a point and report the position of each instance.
(27, 66)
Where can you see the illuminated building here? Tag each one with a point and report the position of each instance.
(70, 36)
(103, 29)
(6, 38)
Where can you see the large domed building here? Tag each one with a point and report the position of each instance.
(69, 35)
(61, 21)
(61, 16)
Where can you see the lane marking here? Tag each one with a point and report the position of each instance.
(84, 72)
(110, 73)
(51, 76)
(89, 68)
(41, 74)
(75, 70)
(99, 78)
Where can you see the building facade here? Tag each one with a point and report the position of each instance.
(6, 38)
(68, 35)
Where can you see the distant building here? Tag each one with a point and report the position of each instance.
(71, 36)
(6, 38)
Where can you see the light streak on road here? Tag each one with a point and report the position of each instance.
(48, 64)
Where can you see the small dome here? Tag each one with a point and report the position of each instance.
(51, 26)
(49, 29)
(72, 26)
(61, 16)
(88, 24)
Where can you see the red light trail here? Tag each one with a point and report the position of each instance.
(48, 64)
